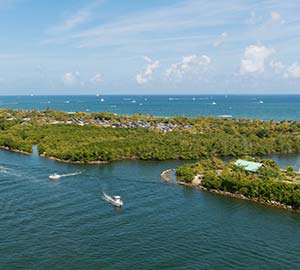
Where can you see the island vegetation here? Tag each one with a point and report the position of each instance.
(269, 184)
(98, 137)
(103, 137)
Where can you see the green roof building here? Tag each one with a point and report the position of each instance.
(248, 165)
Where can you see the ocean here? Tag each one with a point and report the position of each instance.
(65, 224)
(268, 107)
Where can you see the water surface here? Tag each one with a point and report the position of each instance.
(266, 107)
(65, 225)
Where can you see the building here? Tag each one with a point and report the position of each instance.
(248, 165)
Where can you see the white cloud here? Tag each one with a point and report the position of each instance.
(188, 67)
(146, 76)
(71, 78)
(254, 59)
(97, 79)
(293, 71)
(76, 19)
(286, 71)
(221, 39)
(176, 20)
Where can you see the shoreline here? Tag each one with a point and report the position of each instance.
(166, 178)
(52, 158)
(14, 150)
(74, 162)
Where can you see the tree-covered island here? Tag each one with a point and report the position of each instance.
(103, 137)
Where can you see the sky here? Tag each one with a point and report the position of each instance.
(149, 47)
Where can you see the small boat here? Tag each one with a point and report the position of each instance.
(54, 176)
(115, 200)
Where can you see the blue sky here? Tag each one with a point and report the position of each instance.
(149, 47)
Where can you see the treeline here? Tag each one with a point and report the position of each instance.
(268, 184)
(205, 137)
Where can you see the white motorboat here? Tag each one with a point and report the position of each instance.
(115, 200)
(54, 176)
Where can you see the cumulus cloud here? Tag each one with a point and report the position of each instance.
(146, 75)
(220, 39)
(97, 79)
(71, 78)
(188, 67)
(254, 59)
(286, 71)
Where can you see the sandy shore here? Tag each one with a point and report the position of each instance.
(165, 176)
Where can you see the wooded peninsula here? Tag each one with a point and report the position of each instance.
(268, 184)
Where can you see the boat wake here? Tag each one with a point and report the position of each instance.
(71, 174)
(56, 176)
(8, 171)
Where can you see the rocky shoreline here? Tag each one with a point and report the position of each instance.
(165, 176)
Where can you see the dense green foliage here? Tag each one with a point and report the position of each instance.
(268, 184)
(59, 135)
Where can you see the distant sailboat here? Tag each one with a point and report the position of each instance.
(102, 99)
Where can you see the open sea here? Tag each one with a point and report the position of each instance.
(65, 224)
(266, 107)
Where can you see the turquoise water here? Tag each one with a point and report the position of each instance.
(261, 107)
(66, 225)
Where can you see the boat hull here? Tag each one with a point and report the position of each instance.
(54, 177)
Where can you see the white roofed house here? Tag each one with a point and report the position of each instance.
(249, 166)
